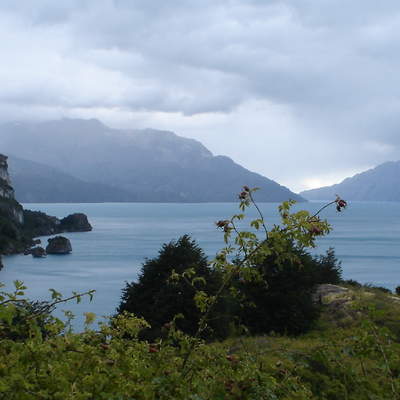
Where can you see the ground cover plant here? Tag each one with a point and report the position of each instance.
(350, 352)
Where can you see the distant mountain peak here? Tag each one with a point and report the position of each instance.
(381, 183)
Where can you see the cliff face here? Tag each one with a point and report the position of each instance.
(8, 205)
(12, 239)
(5, 184)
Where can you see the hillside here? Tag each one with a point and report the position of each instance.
(150, 165)
(381, 183)
(38, 183)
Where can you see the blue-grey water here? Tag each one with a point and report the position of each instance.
(366, 238)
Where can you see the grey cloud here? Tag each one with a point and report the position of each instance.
(333, 64)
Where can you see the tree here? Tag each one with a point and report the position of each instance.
(158, 298)
(282, 301)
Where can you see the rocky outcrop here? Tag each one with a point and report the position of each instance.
(12, 239)
(59, 245)
(8, 205)
(6, 189)
(18, 227)
(326, 292)
(38, 252)
(38, 223)
(77, 222)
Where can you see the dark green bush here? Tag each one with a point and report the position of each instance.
(158, 299)
(328, 269)
(282, 302)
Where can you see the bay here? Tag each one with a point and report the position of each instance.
(366, 238)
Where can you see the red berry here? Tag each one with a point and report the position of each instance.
(153, 349)
(243, 195)
(315, 230)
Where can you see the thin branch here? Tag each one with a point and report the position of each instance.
(323, 208)
(59, 301)
(260, 213)
(48, 306)
(242, 246)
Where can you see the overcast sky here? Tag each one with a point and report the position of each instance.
(305, 92)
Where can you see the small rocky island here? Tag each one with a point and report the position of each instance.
(58, 245)
(37, 252)
(77, 222)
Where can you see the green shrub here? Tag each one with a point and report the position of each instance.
(282, 301)
(158, 299)
(328, 269)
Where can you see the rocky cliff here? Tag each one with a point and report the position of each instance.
(11, 214)
(8, 205)
(18, 227)
(5, 183)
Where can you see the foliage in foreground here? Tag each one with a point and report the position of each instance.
(280, 301)
(353, 353)
(263, 279)
(355, 359)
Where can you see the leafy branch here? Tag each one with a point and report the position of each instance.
(300, 228)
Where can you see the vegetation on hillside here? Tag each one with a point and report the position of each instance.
(351, 352)
(280, 300)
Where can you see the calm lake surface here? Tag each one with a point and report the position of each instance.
(366, 238)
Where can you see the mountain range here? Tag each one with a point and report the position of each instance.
(381, 183)
(76, 160)
(34, 182)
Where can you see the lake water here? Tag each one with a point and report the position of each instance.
(366, 238)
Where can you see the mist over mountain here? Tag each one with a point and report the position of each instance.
(38, 183)
(148, 164)
(381, 183)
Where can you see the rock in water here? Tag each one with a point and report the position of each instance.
(59, 245)
(75, 223)
(38, 252)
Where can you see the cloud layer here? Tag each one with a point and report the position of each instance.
(303, 91)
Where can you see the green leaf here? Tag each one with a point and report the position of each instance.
(89, 317)
(55, 295)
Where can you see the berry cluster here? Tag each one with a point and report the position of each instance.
(245, 193)
(340, 203)
(223, 224)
